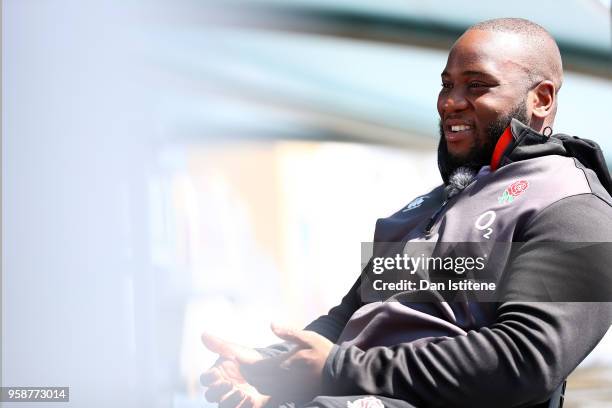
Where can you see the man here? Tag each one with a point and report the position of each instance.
(504, 181)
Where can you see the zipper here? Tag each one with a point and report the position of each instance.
(436, 215)
(433, 219)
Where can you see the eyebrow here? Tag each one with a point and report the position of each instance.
(469, 73)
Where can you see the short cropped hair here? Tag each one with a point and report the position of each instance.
(541, 48)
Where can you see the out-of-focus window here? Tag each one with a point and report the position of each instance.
(252, 232)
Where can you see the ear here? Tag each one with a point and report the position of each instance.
(543, 98)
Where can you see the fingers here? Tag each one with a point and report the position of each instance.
(232, 400)
(229, 350)
(247, 403)
(217, 391)
(299, 337)
(217, 345)
(210, 376)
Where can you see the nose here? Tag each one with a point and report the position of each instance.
(452, 101)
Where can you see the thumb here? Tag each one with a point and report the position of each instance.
(230, 350)
(299, 337)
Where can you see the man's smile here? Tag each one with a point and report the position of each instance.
(457, 131)
(458, 135)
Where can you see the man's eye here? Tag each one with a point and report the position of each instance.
(446, 85)
(476, 85)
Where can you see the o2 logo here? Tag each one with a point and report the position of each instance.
(484, 222)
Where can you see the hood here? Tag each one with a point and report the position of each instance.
(520, 142)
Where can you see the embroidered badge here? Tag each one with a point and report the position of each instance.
(513, 190)
(367, 402)
(416, 203)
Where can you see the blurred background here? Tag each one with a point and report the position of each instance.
(180, 166)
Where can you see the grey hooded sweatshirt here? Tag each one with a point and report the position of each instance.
(510, 353)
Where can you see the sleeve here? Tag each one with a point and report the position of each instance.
(329, 326)
(521, 358)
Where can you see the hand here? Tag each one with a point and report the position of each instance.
(226, 385)
(295, 375)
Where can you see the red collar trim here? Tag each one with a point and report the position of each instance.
(503, 142)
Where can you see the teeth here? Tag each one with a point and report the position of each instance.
(459, 128)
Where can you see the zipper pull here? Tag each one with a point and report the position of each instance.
(433, 219)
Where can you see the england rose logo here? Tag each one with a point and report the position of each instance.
(367, 402)
(513, 190)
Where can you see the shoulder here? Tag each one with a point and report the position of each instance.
(431, 199)
(594, 184)
(409, 217)
(577, 218)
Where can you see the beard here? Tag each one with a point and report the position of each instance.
(481, 150)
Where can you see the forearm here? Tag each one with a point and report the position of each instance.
(523, 358)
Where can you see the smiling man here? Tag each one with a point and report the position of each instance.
(506, 179)
(496, 71)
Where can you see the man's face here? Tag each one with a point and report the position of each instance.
(484, 85)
